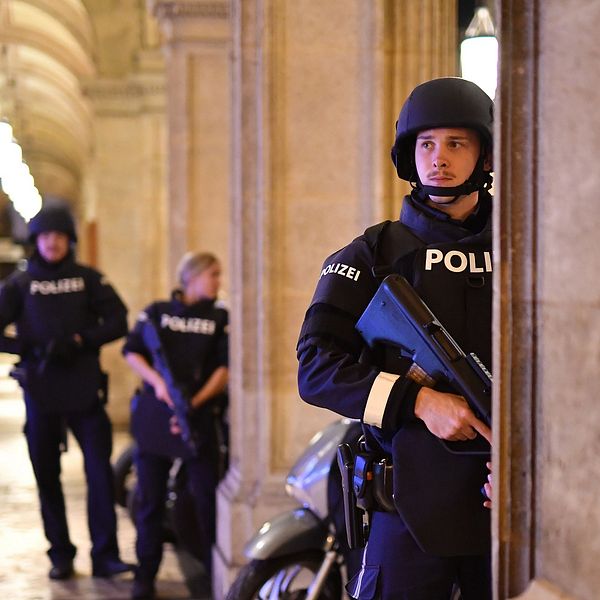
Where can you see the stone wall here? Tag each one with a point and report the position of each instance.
(198, 71)
(547, 522)
(126, 200)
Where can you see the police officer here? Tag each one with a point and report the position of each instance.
(64, 312)
(193, 329)
(438, 536)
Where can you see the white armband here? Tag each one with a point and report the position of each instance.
(378, 398)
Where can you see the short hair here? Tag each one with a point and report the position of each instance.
(192, 264)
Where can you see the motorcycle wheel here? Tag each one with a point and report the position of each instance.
(284, 578)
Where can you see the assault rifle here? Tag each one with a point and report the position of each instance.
(397, 316)
(160, 362)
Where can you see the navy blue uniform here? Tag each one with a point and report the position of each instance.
(49, 304)
(440, 533)
(194, 339)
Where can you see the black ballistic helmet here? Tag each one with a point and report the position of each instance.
(52, 218)
(443, 102)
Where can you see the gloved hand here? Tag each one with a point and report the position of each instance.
(63, 351)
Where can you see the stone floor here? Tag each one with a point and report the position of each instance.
(23, 561)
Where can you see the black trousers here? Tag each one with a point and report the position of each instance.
(152, 479)
(395, 568)
(93, 432)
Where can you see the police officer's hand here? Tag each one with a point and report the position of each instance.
(161, 391)
(487, 487)
(174, 427)
(448, 416)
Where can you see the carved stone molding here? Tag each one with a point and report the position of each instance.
(191, 21)
(115, 88)
(133, 95)
(172, 9)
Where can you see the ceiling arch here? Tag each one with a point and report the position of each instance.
(33, 26)
(74, 17)
(46, 50)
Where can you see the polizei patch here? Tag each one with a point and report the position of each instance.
(342, 270)
(188, 325)
(457, 262)
(68, 285)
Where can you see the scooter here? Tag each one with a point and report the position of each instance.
(303, 554)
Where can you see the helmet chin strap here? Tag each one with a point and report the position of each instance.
(478, 180)
(468, 187)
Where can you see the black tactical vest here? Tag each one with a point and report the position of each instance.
(436, 492)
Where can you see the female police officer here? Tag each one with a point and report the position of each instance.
(439, 534)
(193, 330)
(64, 312)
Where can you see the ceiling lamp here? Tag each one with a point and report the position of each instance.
(15, 178)
(479, 52)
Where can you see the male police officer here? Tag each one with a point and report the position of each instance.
(64, 312)
(438, 536)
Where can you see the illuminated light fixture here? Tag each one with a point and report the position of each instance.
(479, 52)
(15, 178)
(11, 156)
(6, 133)
(27, 203)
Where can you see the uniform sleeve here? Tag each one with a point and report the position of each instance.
(10, 307)
(331, 372)
(106, 304)
(134, 342)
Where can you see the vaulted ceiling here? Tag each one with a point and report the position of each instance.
(46, 49)
(49, 49)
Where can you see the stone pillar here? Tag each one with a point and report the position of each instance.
(404, 43)
(197, 53)
(314, 106)
(547, 325)
(124, 199)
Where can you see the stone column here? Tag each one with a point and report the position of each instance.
(405, 43)
(314, 106)
(124, 194)
(547, 325)
(421, 42)
(197, 53)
